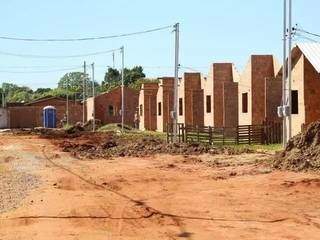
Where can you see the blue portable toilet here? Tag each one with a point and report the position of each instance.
(49, 117)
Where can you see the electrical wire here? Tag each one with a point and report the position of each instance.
(36, 67)
(55, 57)
(307, 32)
(305, 37)
(85, 38)
(43, 71)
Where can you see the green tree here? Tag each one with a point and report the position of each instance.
(137, 84)
(73, 81)
(42, 90)
(15, 93)
(112, 78)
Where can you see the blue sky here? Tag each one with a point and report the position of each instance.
(211, 31)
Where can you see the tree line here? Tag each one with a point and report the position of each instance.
(72, 85)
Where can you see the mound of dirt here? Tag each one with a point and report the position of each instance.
(302, 152)
(104, 145)
(88, 126)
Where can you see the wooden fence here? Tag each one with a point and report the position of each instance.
(270, 133)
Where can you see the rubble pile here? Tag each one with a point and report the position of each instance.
(302, 152)
(108, 144)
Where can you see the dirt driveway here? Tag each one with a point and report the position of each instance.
(160, 197)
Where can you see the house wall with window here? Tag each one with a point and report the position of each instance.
(190, 100)
(108, 106)
(181, 101)
(297, 84)
(148, 106)
(305, 86)
(221, 95)
(207, 86)
(164, 103)
(258, 97)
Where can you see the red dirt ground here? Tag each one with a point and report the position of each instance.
(159, 197)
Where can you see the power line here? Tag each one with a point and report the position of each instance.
(55, 57)
(305, 37)
(307, 32)
(36, 66)
(85, 38)
(44, 71)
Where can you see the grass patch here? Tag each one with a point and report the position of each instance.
(67, 126)
(259, 147)
(115, 127)
(130, 133)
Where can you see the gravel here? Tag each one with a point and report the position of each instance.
(14, 187)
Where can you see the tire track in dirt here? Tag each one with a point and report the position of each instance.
(152, 210)
(149, 210)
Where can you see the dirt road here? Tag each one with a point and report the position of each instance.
(160, 197)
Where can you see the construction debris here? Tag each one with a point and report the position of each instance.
(110, 144)
(302, 152)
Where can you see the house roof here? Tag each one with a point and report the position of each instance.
(312, 52)
(43, 99)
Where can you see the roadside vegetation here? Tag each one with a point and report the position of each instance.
(71, 84)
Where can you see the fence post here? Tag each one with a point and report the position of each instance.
(182, 131)
(210, 135)
(198, 134)
(186, 129)
(237, 136)
(223, 136)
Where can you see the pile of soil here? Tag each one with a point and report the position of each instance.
(302, 152)
(105, 145)
(88, 126)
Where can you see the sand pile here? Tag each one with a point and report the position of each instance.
(302, 151)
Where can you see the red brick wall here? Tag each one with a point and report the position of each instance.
(113, 98)
(262, 67)
(193, 100)
(273, 98)
(230, 104)
(150, 105)
(311, 93)
(31, 115)
(222, 73)
(167, 84)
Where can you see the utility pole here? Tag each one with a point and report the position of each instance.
(67, 112)
(113, 60)
(284, 72)
(176, 80)
(3, 97)
(289, 69)
(84, 91)
(122, 88)
(93, 100)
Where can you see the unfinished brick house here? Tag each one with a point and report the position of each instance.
(108, 106)
(221, 96)
(305, 85)
(30, 115)
(259, 91)
(190, 100)
(148, 106)
(164, 103)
